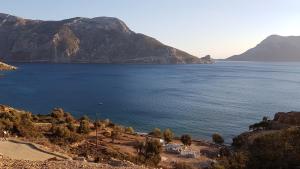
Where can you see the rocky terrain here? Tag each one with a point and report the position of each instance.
(4, 66)
(274, 48)
(269, 144)
(83, 40)
(7, 163)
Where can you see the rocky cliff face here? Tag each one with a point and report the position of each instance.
(273, 48)
(4, 66)
(82, 40)
(289, 118)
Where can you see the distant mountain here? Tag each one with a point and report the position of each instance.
(82, 40)
(273, 48)
(4, 66)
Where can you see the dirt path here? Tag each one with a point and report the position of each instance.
(21, 151)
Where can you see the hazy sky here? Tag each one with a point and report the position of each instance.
(220, 28)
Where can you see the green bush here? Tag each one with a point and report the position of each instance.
(186, 140)
(71, 126)
(58, 113)
(217, 138)
(156, 133)
(129, 130)
(25, 127)
(168, 135)
(115, 133)
(149, 152)
(85, 117)
(84, 127)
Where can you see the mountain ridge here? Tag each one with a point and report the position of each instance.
(274, 48)
(83, 40)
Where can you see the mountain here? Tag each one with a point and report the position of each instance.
(4, 66)
(273, 48)
(82, 40)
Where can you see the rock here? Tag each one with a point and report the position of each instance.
(290, 118)
(83, 40)
(4, 66)
(207, 59)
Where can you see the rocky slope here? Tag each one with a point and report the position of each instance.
(7, 163)
(82, 40)
(273, 48)
(4, 66)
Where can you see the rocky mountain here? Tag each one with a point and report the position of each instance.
(4, 66)
(82, 40)
(273, 48)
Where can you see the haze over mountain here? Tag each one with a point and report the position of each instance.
(83, 40)
(274, 48)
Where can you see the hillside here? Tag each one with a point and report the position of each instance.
(269, 144)
(274, 48)
(83, 40)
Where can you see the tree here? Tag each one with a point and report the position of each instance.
(156, 132)
(168, 135)
(149, 152)
(186, 140)
(217, 138)
(84, 127)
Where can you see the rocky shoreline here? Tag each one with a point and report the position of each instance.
(4, 66)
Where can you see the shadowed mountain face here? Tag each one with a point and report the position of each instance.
(82, 40)
(273, 48)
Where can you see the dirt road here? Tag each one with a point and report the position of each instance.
(21, 151)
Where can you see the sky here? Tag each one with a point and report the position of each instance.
(220, 28)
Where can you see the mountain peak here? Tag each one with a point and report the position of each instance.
(83, 40)
(273, 48)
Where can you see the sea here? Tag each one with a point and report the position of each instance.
(195, 99)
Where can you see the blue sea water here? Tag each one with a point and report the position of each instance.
(225, 97)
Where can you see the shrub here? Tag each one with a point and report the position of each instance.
(129, 130)
(69, 118)
(71, 127)
(115, 133)
(58, 113)
(62, 135)
(149, 152)
(156, 132)
(26, 127)
(217, 138)
(84, 127)
(6, 124)
(168, 135)
(186, 140)
(60, 131)
(85, 117)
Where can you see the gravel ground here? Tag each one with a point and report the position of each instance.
(7, 163)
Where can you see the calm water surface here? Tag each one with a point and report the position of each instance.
(225, 97)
